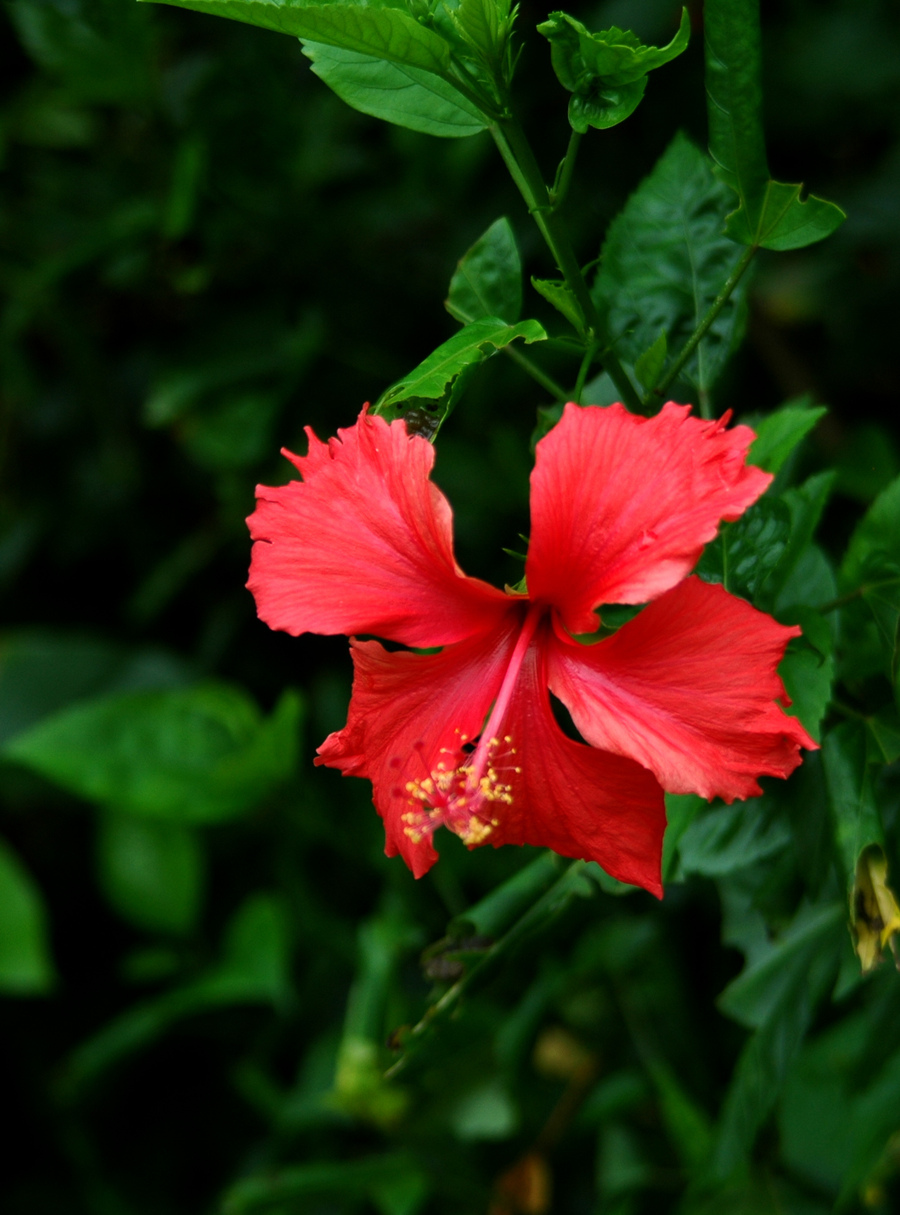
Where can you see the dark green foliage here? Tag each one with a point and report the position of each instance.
(217, 994)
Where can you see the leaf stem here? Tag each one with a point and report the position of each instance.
(583, 373)
(513, 145)
(700, 332)
(530, 367)
(565, 171)
(549, 904)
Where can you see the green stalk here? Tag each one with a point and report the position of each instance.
(697, 336)
(515, 149)
(566, 169)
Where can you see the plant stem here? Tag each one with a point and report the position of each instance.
(700, 332)
(583, 373)
(543, 909)
(515, 149)
(564, 174)
(531, 368)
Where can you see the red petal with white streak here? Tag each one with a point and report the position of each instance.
(689, 689)
(364, 544)
(621, 506)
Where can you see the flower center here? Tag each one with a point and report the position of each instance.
(464, 790)
(460, 793)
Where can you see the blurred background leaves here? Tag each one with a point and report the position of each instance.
(202, 250)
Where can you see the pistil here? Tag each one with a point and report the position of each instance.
(462, 791)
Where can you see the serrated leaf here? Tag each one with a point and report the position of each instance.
(385, 32)
(562, 299)
(435, 385)
(779, 433)
(771, 214)
(26, 967)
(399, 93)
(745, 553)
(606, 72)
(190, 755)
(664, 261)
(488, 278)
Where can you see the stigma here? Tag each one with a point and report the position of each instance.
(462, 792)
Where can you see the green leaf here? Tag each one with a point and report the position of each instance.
(43, 670)
(191, 755)
(804, 505)
(561, 296)
(386, 32)
(26, 967)
(436, 384)
(488, 278)
(664, 261)
(366, 1177)
(681, 810)
(745, 553)
(724, 839)
(771, 214)
(753, 997)
(101, 49)
(779, 433)
(884, 727)
(606, 72)
(808, 670)
(778, 995)
(878, 532)
(648, 366)
(151, 872)
(851, 794)
(399, 93)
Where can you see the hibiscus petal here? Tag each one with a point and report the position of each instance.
(364, 544)
(621, 506)
(404, 709)
(687, 688)
(581, 802)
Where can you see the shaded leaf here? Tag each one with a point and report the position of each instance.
(779, 433)
(725, 839)
(192, 755)
(745, 553)
(771, 214)
(387, 32)
(665, 260)
(152, 872)
(399, 93)
(857, 818)
(488, 278)
(254, 969)
(26, 967)
(362, 1178)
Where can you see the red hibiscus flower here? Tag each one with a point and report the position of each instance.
(683, 697)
